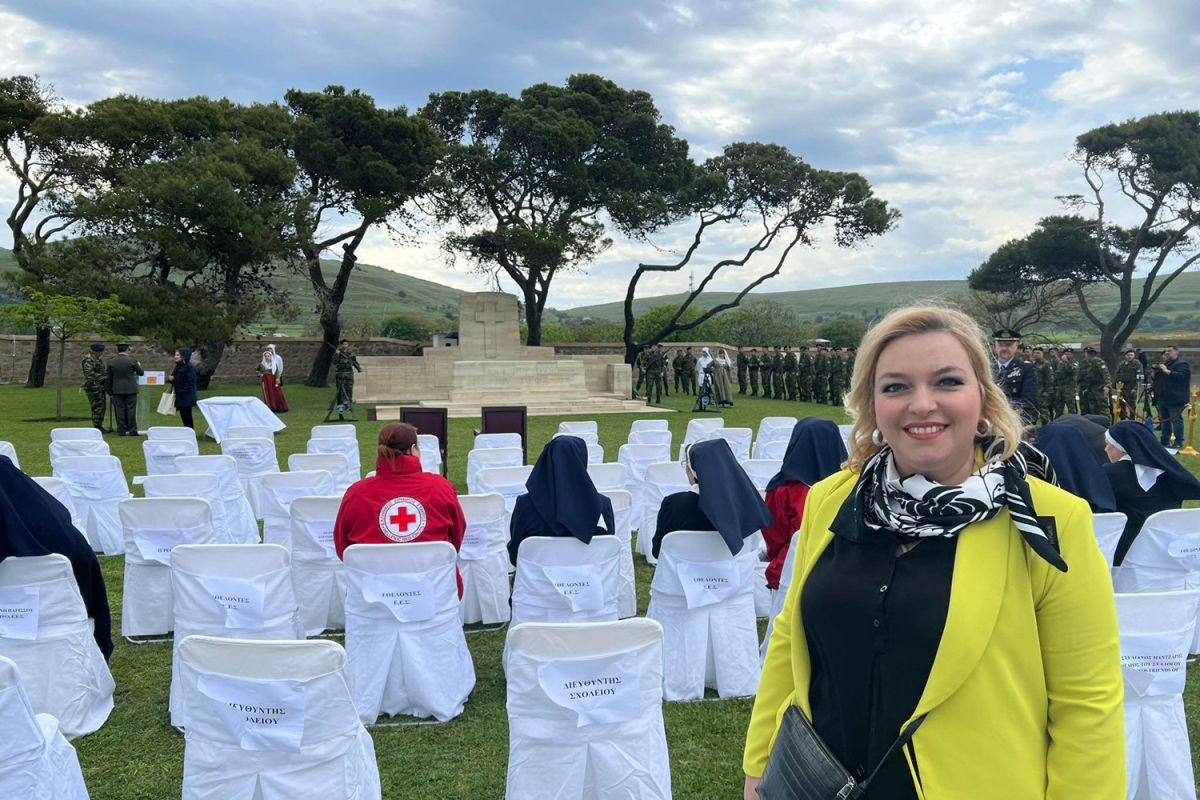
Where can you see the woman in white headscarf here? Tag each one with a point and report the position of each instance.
(722, 378)
(271, 369)
(704, 369)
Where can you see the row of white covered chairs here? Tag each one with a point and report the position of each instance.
(36, 760)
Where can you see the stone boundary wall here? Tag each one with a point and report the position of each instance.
(237, 364)
(568, 349)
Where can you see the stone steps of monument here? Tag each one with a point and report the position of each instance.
(594, 405)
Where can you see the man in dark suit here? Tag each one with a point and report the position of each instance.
(122, 384)
(1177, 393)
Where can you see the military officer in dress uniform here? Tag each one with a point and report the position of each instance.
(743, 371)
(95, 375)
(1129, 375)
(1018, 378)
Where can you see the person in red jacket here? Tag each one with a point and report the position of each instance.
(400, 503)
(814, 452)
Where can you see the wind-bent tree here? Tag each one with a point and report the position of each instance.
(357, 167)
(531, 182)
(764, 192)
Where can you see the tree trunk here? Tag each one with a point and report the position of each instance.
(62, 357)
(533, 316)
(210, 359)
(331, 332)
(329, 303)
(41, 357)
(631, 353)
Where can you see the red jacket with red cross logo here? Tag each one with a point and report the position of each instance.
(400, 503)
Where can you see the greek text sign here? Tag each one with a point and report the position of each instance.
(581, 586)
(410, 597)
(322, 531)
(19, 606)
(259, 715)
(156, 545)
(707, 583)
(599, 690)
(243, 600)
(475, 541)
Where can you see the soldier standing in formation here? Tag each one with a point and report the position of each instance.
(344, 366)
(789, 373)
(1093, 384)
(820, 393)
(639, 366)
(851, 354)
(778, 364)
(1018, 378)
(1046, 398)
(689, 372)
(767, 369)
(656, 374)
(1066, 383)
(1129, 375)
(836, 366)
(743, 371)
(677, 366)
(753, 368)
(804, 375)
(95, 375)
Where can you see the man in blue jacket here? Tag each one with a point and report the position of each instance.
(1176, 395)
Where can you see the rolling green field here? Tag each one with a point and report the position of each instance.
(137, 755)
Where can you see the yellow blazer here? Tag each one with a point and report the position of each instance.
(1025, 694)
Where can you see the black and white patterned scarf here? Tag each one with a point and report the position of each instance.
(915, 507)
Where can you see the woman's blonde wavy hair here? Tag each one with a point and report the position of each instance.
(860, 403)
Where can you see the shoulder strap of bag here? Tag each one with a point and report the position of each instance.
(905, 737)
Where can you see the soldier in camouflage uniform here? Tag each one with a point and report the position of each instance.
(688, 362)
(753, 366)
(1129, 375)
(1046, 393)
(821, 376)
(656, 374)
(777, 378)
(804, 375)
(95, 374)
(767, 370)
(851, 354)
(639, 367)
(1066, 383)
(1093, 385)
(344, 367)
(743, 371)
(789, 373)
(837, 366)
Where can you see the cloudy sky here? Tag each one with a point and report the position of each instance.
(961, 114)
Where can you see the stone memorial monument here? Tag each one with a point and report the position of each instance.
(491, 367)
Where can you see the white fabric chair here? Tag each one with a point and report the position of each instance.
(739, 439)
(204, 486)
(661, 480)
(238, 515)
(845, 431)
(1108, 528)
(305, 741)
(73, 448)
(7, 449)
(704, 598)
(651, 437)
(255, 458)
(1165, 557)
(153, 527)
(570, 748)
(773, 429)
(589, 437)
(333, 463)
(483, 560)
(595, 454)
(649, 425)
(346, 431)
(1156, 629)
(280, 489)
(761, 470)
(65, 434)
(223, 413)
(508, 482)
(431, 453)
(249, 432)
(579, 426)
(607, 476)
(771, 451)
(636, 458)
(160, 454)
(561, 579)
(622, 503)
(780, 594)
(493, 441)
(318, 576)
(36, 761)
(58, 489)
(349, 449)
(700, 429)
(63, 671)
(491, 458)
(97, 484)
(171, 432)
(232, 591)
(406, 653)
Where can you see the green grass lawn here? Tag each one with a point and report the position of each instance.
(138, 755)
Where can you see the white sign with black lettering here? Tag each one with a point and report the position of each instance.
(1155, 664)
(410, 597)
(156, 545)
(83, 484)
(242, 599)
(259, 715)
(582, 586)
(1185, 548)
(287, 494)
(322, 531)
(19, 606)
(707, 583)
(475, 543)
(598, 690)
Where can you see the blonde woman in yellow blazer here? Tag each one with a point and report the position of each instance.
(1024, 695)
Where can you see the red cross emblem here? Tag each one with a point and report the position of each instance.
(402, 519)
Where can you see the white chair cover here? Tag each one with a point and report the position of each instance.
(761, 470)
(773, 429)
(223, 413)
(171, 432)
(561, 579)
(64, 434)
(204, 486)
(780, 594)
(1165, 557)
(152, 528)
(845, 431)
(739, 439)
(318, 577)
(349, 449)
(699, 429)
(305, 741)
(589, 437)
(1108, 528)
(239, 516)
(492, 441)
(58, 489)
(333, 463)
(508, 482)
(255, 458)
(346, 431)
(579, 426)
(607, 476)
(483, 560)
(47, 633)
(661, 480)
(622, 503)
(160, 454)
(704, 598)
(1156, 629)
(406, 653)
(491, 458)
(36, 761)
(232, 591)
(249, 432)
(771, 451)
(68, 448)
(566, 746)
(97, 484)
(7, 449)
(636, 458)
(649, 425)
(595, 454)
(663, 436)
(431, 453)
(280, 489)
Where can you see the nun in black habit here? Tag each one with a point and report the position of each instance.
(1092, 430)
(722, 498)
(561, 498)
(1145, 479)
(1074, 468)
(32, 523)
